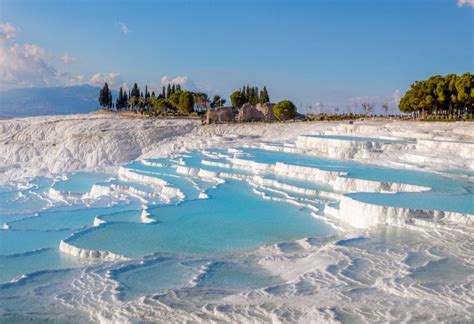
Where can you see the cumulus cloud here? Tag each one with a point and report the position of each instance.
(25, 65)
(462, 3)
(29, 65)
(112, 78)
(184, 81)
(7, 31)
(123, 28)
(66, 58)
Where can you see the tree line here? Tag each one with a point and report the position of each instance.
(172, 100)
(449, 96)
(248, 94)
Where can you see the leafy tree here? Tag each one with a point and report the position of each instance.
(161, 105)
(201, 100)
(217, 101)
(174, 98)
(186, 102)
(284, 110)
(150, 101)
(133, 102)
(450, 94)
(238, 99)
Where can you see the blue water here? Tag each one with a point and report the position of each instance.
(232, 220)
(358, 139)
(207, 244)
(80, 182)
(364, 171)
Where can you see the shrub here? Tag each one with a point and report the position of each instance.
(284, 110)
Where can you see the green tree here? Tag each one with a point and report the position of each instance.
(186, 102)
(465, 92)
(161, 106)
(133, 102)
(135, 91)
(264, 98)
(119, 100)
(201, 100)
(125, 100)
(105, 96)
(237, 99)
(217, 101)
(174, 98)
(284, 110)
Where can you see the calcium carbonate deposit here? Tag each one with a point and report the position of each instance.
(115, 219)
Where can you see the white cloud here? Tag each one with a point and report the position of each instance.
(112, 78)
(7, 31)
(72, 80)
(25, 65)
(29, 65)
(184, 81)
(462, 3)
(66, 58)
(123, 28)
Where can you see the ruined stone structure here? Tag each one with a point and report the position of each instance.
(221, 115)
(249, 113)
(267, 111)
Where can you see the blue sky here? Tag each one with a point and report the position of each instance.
(308, 51)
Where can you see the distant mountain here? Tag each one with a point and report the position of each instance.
(49, 101)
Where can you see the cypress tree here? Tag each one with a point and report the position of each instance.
(264, 96)
(168, 91)
(135, 91)
(105, 96)
(163, 92)
(125, 100)
(119, 101)
(109, 99)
